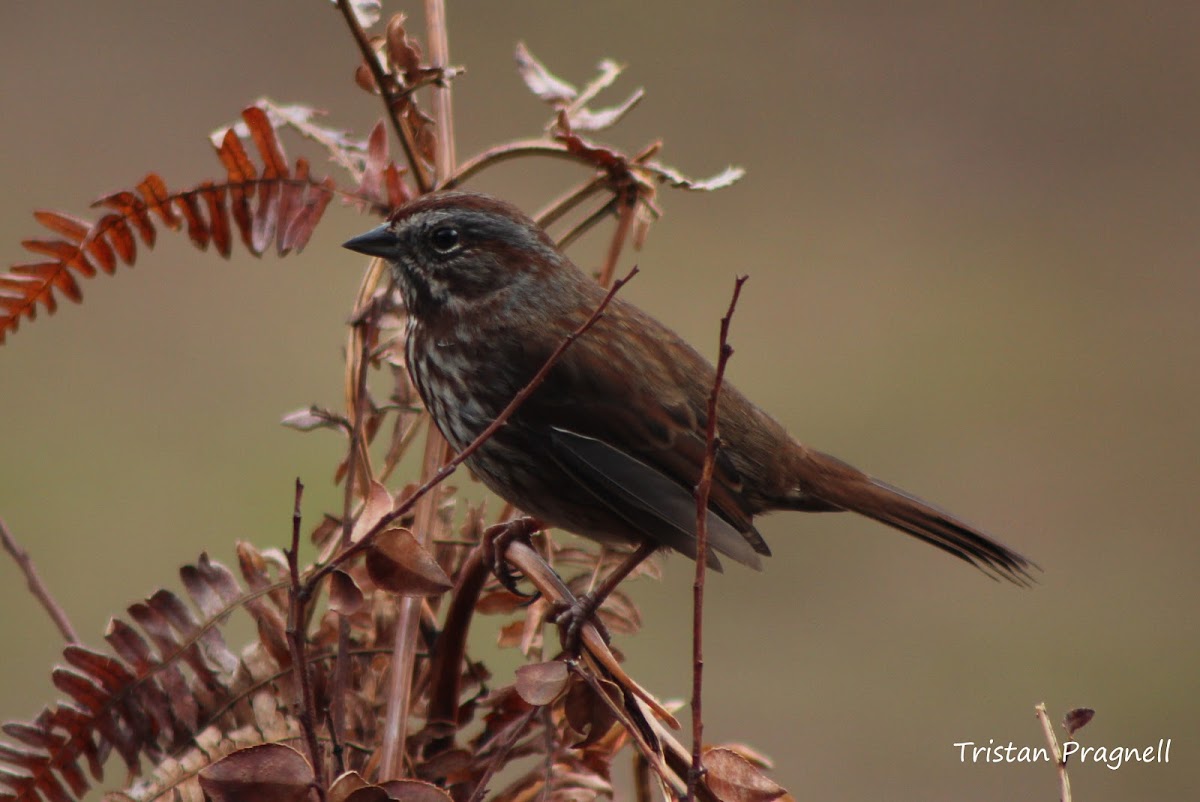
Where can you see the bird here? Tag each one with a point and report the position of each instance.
(611, 444)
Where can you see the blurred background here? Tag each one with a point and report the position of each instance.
(972, 244)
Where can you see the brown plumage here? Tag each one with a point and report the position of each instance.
(611, 445)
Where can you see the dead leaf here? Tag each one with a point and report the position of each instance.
(541, 81)
(750, 753)
(399, 564)
(500, 602)
(345, 785)
(403, 52)
(510, 634)
(306, 420)
(588, 714)
(541, 683)
(1075, 720)
(415, 791)
(677, 179)
(620, 614)
(371, 793)
(345, 597)
(734, 779)
(585, 119)
(378, 504)
(264, 773)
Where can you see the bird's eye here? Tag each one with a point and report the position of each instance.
(445, 239)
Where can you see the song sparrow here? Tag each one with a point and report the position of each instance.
(611, 445)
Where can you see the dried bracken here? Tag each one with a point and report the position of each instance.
(277, 205)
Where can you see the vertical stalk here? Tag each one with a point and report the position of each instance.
(437, 451)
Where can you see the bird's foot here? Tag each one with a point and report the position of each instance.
(570, 619)
(495, 542)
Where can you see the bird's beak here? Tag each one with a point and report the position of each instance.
(379, 241)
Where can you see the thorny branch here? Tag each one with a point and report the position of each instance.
(703, 489)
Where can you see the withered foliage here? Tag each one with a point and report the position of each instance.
(357, 685)
(275, 205)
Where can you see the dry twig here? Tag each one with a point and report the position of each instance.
(36, 586)
(703, 488)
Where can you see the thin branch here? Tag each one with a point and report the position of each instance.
(298, 643)
(561, 206)
(564, 204)
(587, 223)
(651, 753)
(357, 474)
(1064, 782)
(703, 489)
(551, 586)
(627, 201)
(364, 323)
(512, 150)
(36, 587)
(505, 742)
(383, 81)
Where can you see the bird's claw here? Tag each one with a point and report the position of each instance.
(570, 619)
(496, 540)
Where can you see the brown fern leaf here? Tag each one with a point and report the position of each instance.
(153, 700)
(277, 205)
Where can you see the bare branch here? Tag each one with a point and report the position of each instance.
(1064, 782)
(297, 635)
(36, 587)
(703, 489)
(627, 202)
(502, 153)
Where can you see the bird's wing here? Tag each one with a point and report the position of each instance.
(624, 412)
(646, 497)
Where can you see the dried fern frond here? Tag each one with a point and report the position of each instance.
(170, 678)
(266, 200)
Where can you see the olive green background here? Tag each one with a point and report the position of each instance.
(971, 235)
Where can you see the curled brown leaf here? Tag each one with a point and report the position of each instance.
(345, 597)
(264, 773)
(399, 564)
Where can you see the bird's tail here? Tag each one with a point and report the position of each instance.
(844, 487)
